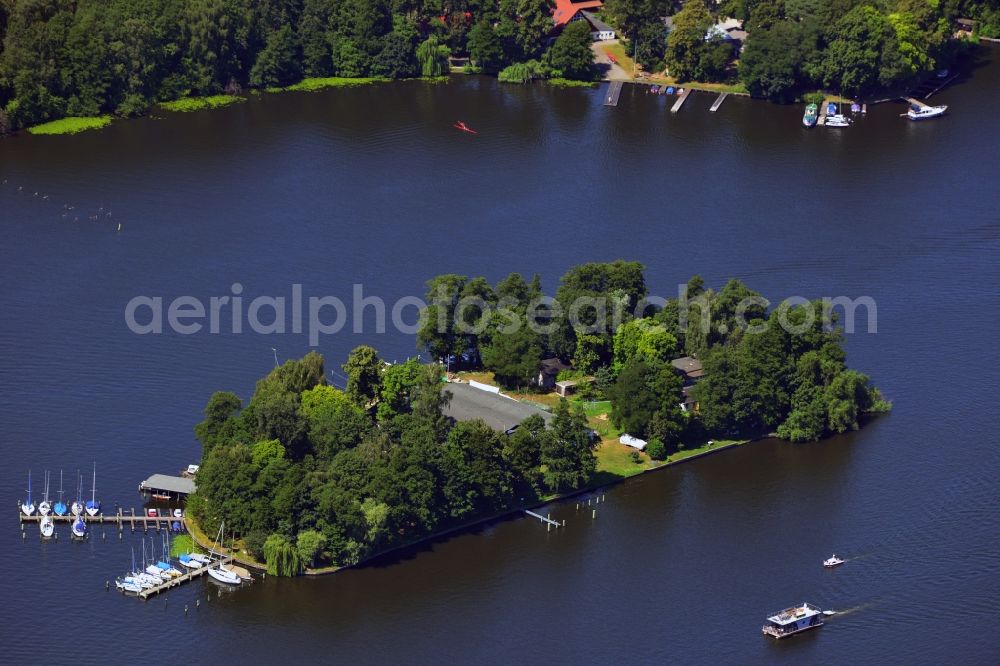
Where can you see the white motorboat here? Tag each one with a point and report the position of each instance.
(838, 120)
(925, 112)
(833, 561)
(224, 575)
(47, 527)
(28, 508)
(200, 557)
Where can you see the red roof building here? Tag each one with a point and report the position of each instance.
(566, 10)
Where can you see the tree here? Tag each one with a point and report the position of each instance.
(529, 21)
(437, 332)
(364, 375)
(570, 56)
(280, 62)
(310, 545)
(433, 57)
(642, 390)
(514, 357)
(643, 339)
(219, 411)
(772, 62)
(334, 422)
(281, 556)
(687, 45)
(567, 452)
(485, 48)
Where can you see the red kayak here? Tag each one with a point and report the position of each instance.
(465, 128)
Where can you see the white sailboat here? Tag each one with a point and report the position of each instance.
(93, 506)
(46, 527)
(222, 573)
(76, 508)
(60, 508)
(44, 507)
(28, 508)
(164, 563)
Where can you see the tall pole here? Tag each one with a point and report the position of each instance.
(275, 356)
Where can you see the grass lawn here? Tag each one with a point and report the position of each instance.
(183, 544)
(186, 104)
(483, 377)
(614, 459)
(71, 125)
(618, 51)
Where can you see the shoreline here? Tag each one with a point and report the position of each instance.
(198, 536)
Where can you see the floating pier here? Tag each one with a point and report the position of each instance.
(916, 102)
(718, 102)
(680, 101)
(183, 578)
(614, 92)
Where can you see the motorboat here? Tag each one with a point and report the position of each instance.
(93, 507)
(838, 120)
(811, 115)
(793, 621)
(833, 561)
(28, 508)
(199, 557)
(925, 112)
(47, 527)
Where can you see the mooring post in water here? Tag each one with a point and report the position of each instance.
(577, 506)
(564, 522)
(107, 585)
(548, 527)
(185, 609)
(593, 513)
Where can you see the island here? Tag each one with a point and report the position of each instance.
(608, 382)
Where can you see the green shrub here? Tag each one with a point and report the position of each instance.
(656, 449)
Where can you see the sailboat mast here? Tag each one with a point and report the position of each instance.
(93, 488)
(60, 485)
(29, 487)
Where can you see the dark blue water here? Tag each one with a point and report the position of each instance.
(373, 186)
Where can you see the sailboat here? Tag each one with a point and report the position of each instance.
(221, 573)
(28, 508)
(60, 508)
(837, 119)
(164, 563)
(46, 527)
(93, 506)
(76, 508)
(44, 507)
(79, 528)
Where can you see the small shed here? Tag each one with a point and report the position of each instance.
(564, 388)
(634, 442)
(599, 30)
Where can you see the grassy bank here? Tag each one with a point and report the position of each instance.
(71, 125)
(570, 83)
(182, 544)
(187, 104)
(314, 84)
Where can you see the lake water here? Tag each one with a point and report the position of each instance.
(374, 186)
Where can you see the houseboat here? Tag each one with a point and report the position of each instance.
(793, 620)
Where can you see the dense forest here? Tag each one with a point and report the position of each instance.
(89, 57)
(856, 47)
(309, 474)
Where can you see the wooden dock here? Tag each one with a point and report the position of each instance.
(544, 519)
(120, 519)
(916, 102)
(680, 101)
(614, 92)
(822, 114)
(183, 578)
(718, 102)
